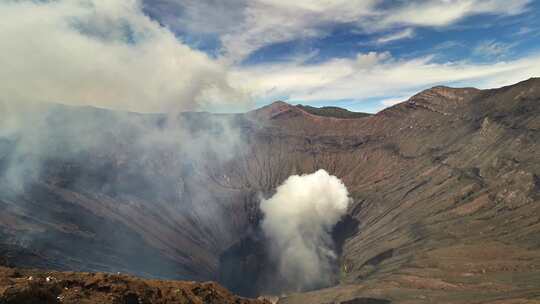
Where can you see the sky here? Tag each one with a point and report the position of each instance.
(235, 55)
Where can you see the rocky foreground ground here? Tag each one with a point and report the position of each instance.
(50, 287)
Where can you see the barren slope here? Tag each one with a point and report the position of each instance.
(445, 186)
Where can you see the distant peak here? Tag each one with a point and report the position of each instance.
(278, 105)
(442, 91)
(331, 111)
(274, 109)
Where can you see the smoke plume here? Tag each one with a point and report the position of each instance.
(107, 54)
(298, 221)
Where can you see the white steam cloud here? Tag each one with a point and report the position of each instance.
(298, 220)
(107, 54)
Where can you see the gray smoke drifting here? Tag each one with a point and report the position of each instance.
(105, 54)
(298, 220)
(79, 159)
(63, 156)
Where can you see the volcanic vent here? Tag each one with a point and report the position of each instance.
(293, 247)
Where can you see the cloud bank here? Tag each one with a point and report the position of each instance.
(106, 54)
(298, 221)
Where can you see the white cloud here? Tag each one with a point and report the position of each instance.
(272, 21)
(492, 48)
(246, 26)
(446, 12)
(404, 34)
(103, 53)
(379, 75)
(393, 101)
(198, 16)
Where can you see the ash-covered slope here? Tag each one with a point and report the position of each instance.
(445, 187)
(447, 200)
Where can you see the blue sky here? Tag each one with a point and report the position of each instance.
(260, 34)
(234, 55)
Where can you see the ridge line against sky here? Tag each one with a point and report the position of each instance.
(228, 56)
